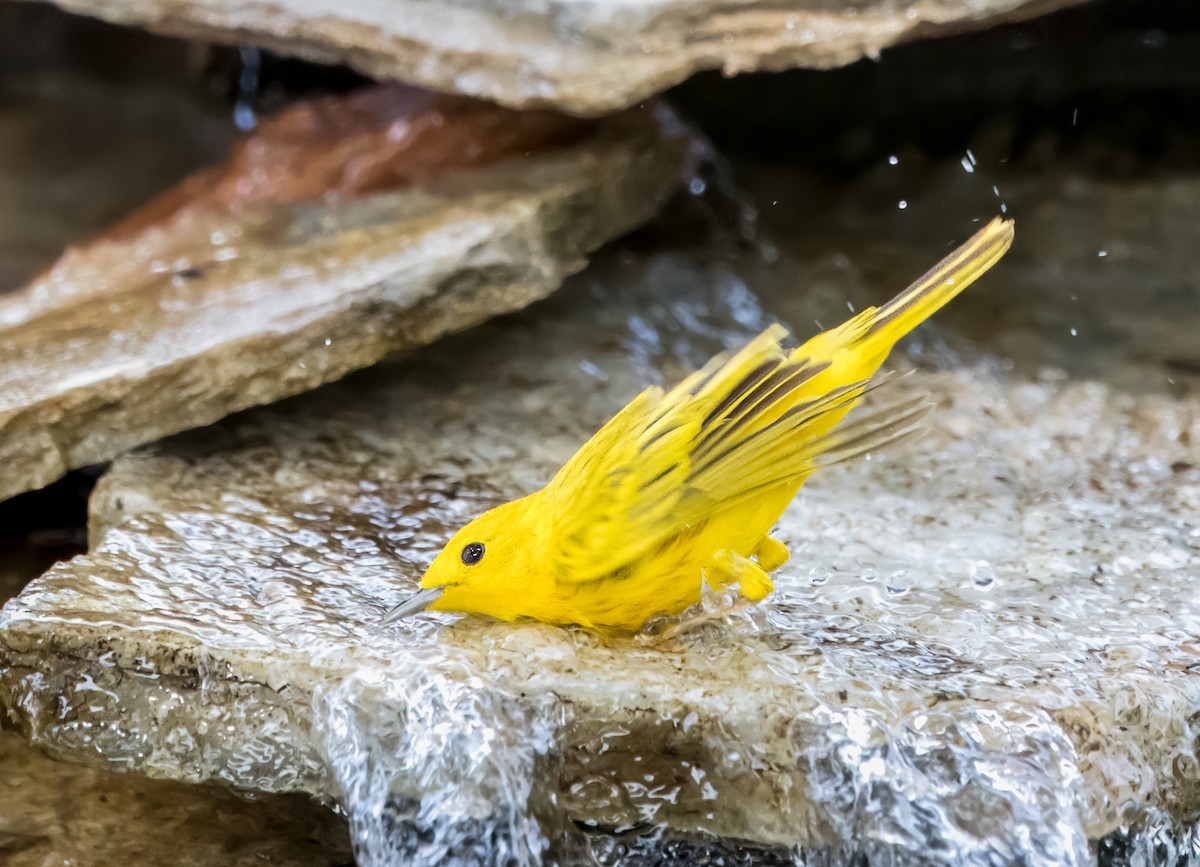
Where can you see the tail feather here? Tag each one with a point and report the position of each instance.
(939, 285)
(773, 416)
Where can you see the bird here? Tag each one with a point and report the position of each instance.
(684, 486)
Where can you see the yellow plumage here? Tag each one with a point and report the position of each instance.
(685, 486)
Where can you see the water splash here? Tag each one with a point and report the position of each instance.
(452, 778)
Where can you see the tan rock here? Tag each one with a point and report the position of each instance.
(347, 229)
(56, 813)
(987, 641)
(583, 57)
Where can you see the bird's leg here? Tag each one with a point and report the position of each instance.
(731, 567)
(691, 623)
(771, 554)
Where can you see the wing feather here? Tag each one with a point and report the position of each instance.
(668, 461)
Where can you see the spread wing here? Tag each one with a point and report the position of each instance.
(742, 425)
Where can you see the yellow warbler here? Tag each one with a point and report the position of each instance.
(684, 486)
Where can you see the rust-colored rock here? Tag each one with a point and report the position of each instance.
(379, 138)
(348, 229)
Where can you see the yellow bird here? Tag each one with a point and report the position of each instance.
(685, 486)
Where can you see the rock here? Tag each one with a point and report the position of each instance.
(983, 650)
(58, 813)
(55, 813)
(77, 151)
(347, 229)
(584, 58)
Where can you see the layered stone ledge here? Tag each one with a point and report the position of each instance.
(588, 58)
(347, 229)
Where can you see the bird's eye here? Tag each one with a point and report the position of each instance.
(472, 553)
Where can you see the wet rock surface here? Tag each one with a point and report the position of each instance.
(346, 229)
(584, 58)
(986, 641)
(58, 813)
(55, 813)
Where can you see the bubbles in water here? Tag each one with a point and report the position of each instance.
(982, 574)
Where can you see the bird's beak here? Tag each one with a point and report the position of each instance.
(419, 601)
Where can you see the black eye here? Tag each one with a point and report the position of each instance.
(472, 553)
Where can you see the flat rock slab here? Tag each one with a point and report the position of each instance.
(586, 58)
(346, 229)
(983, 651)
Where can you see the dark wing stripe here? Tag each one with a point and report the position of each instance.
(770, 392)
(657, 435)
(875, 428)
(794, 418)
(743, 385)
(652, 482)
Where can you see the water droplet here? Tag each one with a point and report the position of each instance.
(697, 186)
(903, 204)
(893, 160)
(982, 574)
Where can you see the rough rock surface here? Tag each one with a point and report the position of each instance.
(345, 230)
(582, 57)
(983, 650)
(56, 813)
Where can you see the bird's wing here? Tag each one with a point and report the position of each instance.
(668, 461)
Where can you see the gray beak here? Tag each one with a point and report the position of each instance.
(419, 601)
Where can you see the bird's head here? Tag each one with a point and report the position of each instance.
(477, 568)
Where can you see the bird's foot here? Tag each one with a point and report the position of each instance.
(771, 554)
(684, 626)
